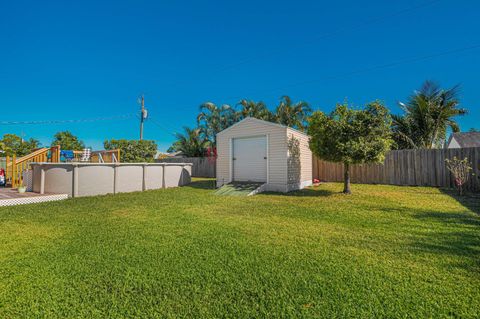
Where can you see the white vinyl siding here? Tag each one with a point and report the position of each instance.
(299, 171)
(453, 143)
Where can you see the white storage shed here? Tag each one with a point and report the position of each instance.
(253, 150)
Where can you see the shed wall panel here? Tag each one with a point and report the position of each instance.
(299, 160)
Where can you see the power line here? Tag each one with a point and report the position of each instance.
(334, 32)
(162, 127)
(330, 34)
(373, 68)
(46, 122)
(168, 128)
(360, 71)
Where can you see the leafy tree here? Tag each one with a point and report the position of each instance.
(67, 141)
(351, 136)
(192, 143)
(428, 114)
(213, 119)
(292, 114)
(14, 145)
(133, 151)
(250, 108)
(473, 130)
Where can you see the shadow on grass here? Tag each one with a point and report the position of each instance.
(306, 192)
(461, 245)
(460, 239)
(450, 218)
(469, 200)
(202, 184)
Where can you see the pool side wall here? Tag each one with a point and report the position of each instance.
(88, 179)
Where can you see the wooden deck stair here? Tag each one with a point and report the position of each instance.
(16, 166)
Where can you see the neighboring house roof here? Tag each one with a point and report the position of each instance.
(176, 154)
(464, 139)
(253, 119)
(161, 155)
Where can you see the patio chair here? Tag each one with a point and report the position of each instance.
(87, 153)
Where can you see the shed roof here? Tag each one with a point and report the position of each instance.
(262, 122)
(466, 139)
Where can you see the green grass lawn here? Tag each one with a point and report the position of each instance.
(384, 251)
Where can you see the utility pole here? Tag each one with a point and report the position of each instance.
(143, 116)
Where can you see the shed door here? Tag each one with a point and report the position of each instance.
(250, 159)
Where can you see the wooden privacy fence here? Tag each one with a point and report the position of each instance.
(202, 166)
(405, 167)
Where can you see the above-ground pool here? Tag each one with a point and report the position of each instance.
(89, 179)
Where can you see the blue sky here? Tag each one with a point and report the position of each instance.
(66, 60)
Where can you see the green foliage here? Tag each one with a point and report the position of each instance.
(192, 143)
(427, 115)
(67, 141)
(13, 144)
(250, 108)
(388, 252)
(292, 114)
(351, 136)
(213, 119)
(133, 151)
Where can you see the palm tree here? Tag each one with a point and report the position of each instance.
(292, 114)
(192, 143)
(427, 116)
(213, 119)
(404, 132)
(254, 109)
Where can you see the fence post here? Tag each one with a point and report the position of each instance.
(6, 167)
(163, 175)
(14, 171)
(144, 175)
(42, 180)
(75, 180)
(115, 178)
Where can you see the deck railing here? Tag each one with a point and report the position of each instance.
(16, 166)
(109, 156)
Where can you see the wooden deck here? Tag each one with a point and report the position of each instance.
(11, 197)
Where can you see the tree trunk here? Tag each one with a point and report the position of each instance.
(346, 179)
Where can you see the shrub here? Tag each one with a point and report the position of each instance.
(460, 170)
(133, 151)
